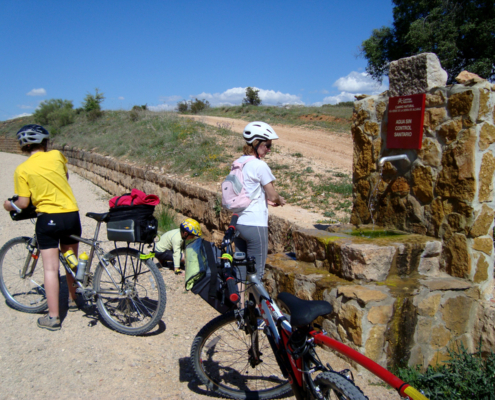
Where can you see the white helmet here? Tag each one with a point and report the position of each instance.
(32, 134)
(258, 130)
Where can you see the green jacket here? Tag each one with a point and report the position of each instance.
(171, 240)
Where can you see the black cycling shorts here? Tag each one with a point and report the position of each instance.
(52, 229)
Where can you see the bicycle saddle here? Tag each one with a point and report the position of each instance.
(303, 312)
(96, 216)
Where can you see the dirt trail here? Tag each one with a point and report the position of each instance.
(330, 148)
(87, 360)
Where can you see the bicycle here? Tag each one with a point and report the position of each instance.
(126, 286)
(259, 352)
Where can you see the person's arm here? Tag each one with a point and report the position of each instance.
(272, 195)
(21, 202)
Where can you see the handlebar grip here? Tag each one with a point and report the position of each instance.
(232, 288)
(233, 221)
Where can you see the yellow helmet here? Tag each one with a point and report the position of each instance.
(191, 226)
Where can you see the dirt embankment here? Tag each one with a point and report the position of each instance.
(328, 148)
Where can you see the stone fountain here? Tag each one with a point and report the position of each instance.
(425, 284)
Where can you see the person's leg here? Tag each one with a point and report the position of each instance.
(51, 265)
(256, 239)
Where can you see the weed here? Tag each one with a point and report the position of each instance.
(166, 218)
(298, 155)
(464, 376)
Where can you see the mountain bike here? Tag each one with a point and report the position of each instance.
(126, 285)
(259, 352)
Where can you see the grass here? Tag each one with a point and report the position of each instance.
(166, 217)
(197, 152)
(336, 118)
(464, 376)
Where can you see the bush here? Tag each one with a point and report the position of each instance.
(197, 105)
(182, 106)
(55, 113)
(464, 376)
(93, 115)
(252, 97)
(93, 102)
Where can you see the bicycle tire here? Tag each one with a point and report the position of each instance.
(332, 383)
(22, 294)
(138, 303)
(219, 355)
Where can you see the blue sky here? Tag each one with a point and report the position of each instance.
(160, 52)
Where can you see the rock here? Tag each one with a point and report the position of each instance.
(366, 261)
(362, 294)
(446, 283)
(417, 74)
(468, 78)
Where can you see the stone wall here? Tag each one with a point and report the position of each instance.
(447, 190)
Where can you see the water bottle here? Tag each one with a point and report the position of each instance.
(81, 266)
(71, 259)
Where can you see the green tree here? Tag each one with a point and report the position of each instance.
(252, 97)
(460, 33)
(197, 105)
(55, 113)
(92, 105)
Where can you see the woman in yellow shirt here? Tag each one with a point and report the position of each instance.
(43, 180)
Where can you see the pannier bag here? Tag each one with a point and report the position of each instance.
(132, 223)
(203, 277)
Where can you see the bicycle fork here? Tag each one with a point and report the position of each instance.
(31, 260)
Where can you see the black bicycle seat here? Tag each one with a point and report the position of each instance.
(97, 217)
(303, 312)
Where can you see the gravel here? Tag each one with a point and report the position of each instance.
(86, 359)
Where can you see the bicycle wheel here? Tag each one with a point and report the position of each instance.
(130, 292)
(220, 356)
(332, 385)
(22, 293)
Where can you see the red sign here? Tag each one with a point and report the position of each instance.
(405, 121)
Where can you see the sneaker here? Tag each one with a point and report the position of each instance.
(72, 306)
(47, 322)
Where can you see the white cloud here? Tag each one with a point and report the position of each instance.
(163, 107)
(21, 115)
(37, 92)
(343, 96)
(353, 84)
(121, 98)
(360, 83)
(234, 96)
(170, 99)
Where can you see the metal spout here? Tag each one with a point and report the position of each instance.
(383, 160)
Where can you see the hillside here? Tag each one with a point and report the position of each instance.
(312, 164)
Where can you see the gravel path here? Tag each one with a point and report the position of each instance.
(87, 360)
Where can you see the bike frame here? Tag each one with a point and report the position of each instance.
(281, 331)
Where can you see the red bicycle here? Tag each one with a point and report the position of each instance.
(259, 352)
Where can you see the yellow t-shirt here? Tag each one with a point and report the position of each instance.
(43, 178)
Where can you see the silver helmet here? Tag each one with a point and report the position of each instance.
(32, 134)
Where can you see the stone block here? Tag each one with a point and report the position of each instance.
(380, 315)
(429, 306)
(487, 136)
(363, 295)
(483, 222)
(483, 244)
(456, 313)
(366, 261)
(485, 192)
(374, 344)
(417, 74)
(460, 103)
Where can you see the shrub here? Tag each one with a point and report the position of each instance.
(464, 376)
(182, 106)
(93, 102)
(93, 115)
(197, 105)
(140, 108)
(166, 217)
(252, 97)
(55, 113)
